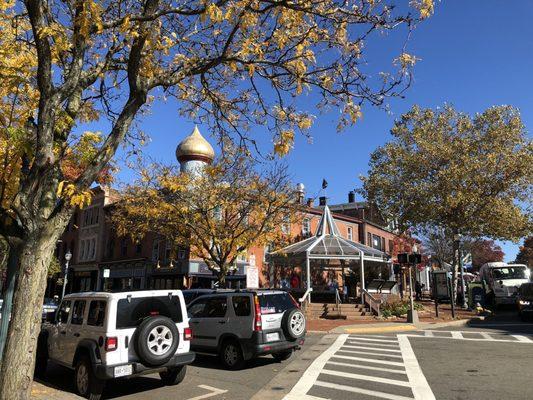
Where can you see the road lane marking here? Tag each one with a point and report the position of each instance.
(372, 348)
(419, 384)
(457, 335)
(370, 353)
(369, 360)
(369, 367)
(522, 338)
(428, 334)
(310, 376)
(213, 392)
(362, 391)
(366, 378)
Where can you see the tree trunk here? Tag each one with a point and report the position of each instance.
(16, 371)
(11, 277)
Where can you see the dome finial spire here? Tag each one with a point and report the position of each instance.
(195, 147)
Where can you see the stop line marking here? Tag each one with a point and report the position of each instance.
(458, 335)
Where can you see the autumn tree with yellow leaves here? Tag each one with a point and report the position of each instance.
(230, 63)
(450, 172)
(219, 214)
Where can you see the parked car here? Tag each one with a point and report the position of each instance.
(503, 281)
(525, 300)
(104, 336)
(49, 306)
(191, 294)
(242, 325)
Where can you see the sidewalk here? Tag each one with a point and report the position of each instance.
(427, 320)
(43, 392)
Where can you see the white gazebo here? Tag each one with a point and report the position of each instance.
(327, 244)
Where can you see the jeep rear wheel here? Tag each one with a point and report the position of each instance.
(156, 340)
(173, 376)
(87, 384)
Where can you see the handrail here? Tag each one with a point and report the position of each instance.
(337, 301)
(307, 293)
(373, 303)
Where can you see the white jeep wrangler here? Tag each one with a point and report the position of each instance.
(110, 335)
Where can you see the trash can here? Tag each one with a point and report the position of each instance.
(476, 294)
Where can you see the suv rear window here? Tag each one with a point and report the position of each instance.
(275, 303)
(131, 313)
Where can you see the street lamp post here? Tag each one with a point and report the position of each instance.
(68, 256)
(412, 315)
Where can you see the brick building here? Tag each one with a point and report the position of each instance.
(102, 260)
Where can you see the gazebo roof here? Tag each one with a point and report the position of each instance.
(328, 244)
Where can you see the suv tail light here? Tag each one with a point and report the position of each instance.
(187, 334)
(111, 343)
(257, 321)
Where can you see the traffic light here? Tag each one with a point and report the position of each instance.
(402, 258)
(415, 258)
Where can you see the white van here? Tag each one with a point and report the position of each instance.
(503, 280)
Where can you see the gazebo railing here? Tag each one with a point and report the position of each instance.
(372, 302)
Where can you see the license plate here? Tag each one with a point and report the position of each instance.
(123, 370)
(272, 337)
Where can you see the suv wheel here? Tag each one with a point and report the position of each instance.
(231, 355)
(156, 340)
(282, 355)
(173, 376)
(87, 384)
(293, 323)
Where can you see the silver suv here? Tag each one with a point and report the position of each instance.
(104, 336)
(241, 325)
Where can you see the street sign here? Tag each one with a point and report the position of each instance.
(441, 287)
(252, 277)
(106, 272)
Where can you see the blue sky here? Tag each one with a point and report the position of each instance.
(474, 54)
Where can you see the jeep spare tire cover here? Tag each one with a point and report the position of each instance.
(156, 340)
(293, 323)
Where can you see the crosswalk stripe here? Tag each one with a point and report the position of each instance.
(370, 353)
(362, 391)
(369, 360)
(485, 335)
(374, 340)
(457, 335)
(366, 378)
(394, 346)
(428, 333)
(372, 348)
(419, 384)
(369, 367)
(373, 336)
(522, 338)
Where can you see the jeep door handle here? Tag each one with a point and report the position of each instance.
(76, 334)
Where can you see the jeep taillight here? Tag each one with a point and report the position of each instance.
(257, 320)
(187, 334)
(111, 343)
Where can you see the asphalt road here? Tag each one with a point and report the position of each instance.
(206, 379)
(489, 360)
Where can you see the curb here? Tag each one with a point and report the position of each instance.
(381, 329)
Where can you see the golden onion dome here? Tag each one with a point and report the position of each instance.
(195, 147)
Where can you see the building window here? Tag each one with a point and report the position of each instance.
(267, 249)
(391, 246)
(138, 248)
(382, 244)
(181, 254)
(242, 256)
(110, 248)
(155, 251)
(350, 233)
(286, 225)
(123, 247)
(168, 251)
(306, 227)
(369, 239)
